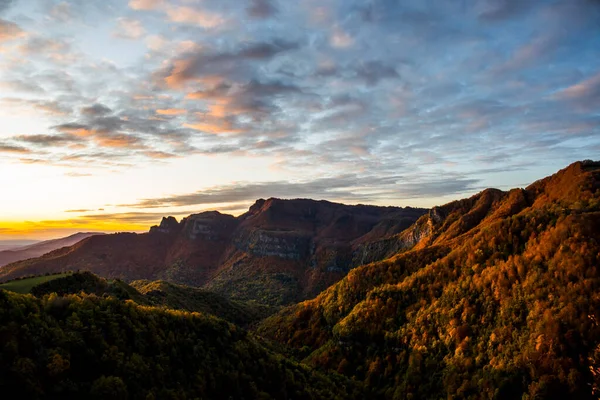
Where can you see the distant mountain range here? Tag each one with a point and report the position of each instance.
(15, 244)
(279, 252)
(38, 249)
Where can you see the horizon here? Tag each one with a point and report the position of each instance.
(115, 114)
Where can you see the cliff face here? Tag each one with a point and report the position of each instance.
(278, 252)
(285, 250)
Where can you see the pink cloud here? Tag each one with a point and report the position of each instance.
(188, 15)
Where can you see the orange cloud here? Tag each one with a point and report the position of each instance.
(220, 108)
(142, 97)
(171, 111)
(159, 155)
(77, 130)
(118, 141)
(14, 149)
(188, 15)
(10, 31)
(146, 4)
(214, 126)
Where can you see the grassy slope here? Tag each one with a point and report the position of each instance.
(24, 286)
(179, 297)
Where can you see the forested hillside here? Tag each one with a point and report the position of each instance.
(498, 299)
(158, 294)
(83, 346)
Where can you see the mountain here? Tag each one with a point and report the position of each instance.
(496, 297)
(85, 346)
(279, 252)
(15, 244)
(41, 248)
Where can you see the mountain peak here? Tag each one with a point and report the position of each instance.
(578, 182)
(167, 225)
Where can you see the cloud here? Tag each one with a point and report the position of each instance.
(18, 85)
(34, 106)
(10, 31)
(193, 16)
(118, 140)
(146, 4)
(159, 155)
(585, 92)
(131, 29)
(96, 110)
(374, 71)
(171, 111)
(5, 148)
(498, 10)
(341, 39)
(262, 9)
(62, 12)
(48, 140)
(204, 63)
(349, 188)
(5, 5)
(157, 42)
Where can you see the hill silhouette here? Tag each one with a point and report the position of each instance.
(39, 249)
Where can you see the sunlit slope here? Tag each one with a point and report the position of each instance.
(499, 298)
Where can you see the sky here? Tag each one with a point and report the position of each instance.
(114, 113)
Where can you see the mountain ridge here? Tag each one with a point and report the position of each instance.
(280, 251)
(40, 248)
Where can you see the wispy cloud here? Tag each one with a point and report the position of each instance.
(129, 29)
(349, 188)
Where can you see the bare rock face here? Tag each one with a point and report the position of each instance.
(268, 243)
(167, 226)
(211, 226)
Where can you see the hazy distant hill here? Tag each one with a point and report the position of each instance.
(15, 244)
(498, 298)
(279, 252)
(40, 248)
